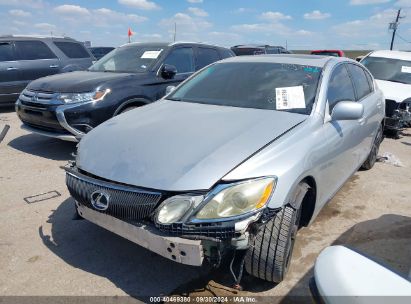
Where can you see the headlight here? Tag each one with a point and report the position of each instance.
(238, 199)
(174, 208)
(82, 97)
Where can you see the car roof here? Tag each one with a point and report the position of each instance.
(311, 60)
(168, 44)
(35, 37)
(255, 46)
(391, 54)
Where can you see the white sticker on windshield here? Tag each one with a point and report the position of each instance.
(151, 54)
(290, 98)
(405, 69)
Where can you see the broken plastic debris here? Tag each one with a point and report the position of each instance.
(390, 158)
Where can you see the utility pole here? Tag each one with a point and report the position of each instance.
(394, 27)
(175, 31)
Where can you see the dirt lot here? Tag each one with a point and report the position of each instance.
(45, 252)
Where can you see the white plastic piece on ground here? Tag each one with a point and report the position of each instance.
(345, 276)
(391, 159)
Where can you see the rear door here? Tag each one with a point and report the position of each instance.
(36, 59)
(10, 83)
(372, 102)
(205, 56)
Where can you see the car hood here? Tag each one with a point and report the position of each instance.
(394, 90)
(179, 146)
(76, 82)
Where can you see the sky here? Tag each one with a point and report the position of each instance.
(299, 24)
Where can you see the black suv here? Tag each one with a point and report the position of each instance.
(255, 49)
(25, 58)
(67, 106)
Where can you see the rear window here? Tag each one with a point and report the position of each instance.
(32, 50)
(72, 49)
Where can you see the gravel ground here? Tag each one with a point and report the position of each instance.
(44, 252)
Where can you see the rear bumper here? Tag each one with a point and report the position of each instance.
(184, 251)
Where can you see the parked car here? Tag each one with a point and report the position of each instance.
(392, 71)
(342, 273)
(255, 49)
(69, 105)
(25, 58)
(335, 53)
(100, 51)
(237, 157)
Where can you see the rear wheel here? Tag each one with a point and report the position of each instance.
(372, 157)
(270, 254)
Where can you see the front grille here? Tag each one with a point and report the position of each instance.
(36, 98)
(127, 203)
(214, 230)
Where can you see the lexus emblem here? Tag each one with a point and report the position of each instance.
(100, 200)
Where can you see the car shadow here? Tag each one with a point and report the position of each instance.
(43, 146)
(385, 240)
(135, 270)
(7, 109)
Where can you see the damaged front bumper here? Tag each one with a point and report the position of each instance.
(184, 251)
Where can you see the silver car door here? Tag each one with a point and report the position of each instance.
(372, 103)
(341, 139)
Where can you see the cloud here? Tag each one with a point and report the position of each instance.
(316, 15)
(185, 23)
(403, 3)
(68, 9)
(367, 2)
(242, 10)
(19, 13)
(140, 4)
(274, 16)
(45, 26)
(23, 3)
(195, 1)
(197, 11)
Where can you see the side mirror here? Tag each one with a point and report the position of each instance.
(170, 89)
(347, 110)
(168, 71)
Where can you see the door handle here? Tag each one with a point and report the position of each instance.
(54, 66)
(12, 69)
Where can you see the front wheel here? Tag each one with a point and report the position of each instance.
(269, 256)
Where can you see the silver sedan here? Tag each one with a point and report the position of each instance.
(232, 161)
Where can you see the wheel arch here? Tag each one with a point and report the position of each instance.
(134, 101)
(309, 201)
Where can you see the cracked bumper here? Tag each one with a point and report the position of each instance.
(184, 251)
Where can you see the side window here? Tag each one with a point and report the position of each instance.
(6, 51)
(340, 87)
(205, 56)
(32, 50)
(360, 81)
(72, 49)
(370, 80)
(182, 59)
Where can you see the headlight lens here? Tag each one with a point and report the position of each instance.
(173, 209)
(82, 97)
(238, 199)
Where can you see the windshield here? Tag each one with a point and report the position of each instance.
(258, 85)
(389, 69)
(128, 59)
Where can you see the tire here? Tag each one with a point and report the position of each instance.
(269, 256)
(372, 157)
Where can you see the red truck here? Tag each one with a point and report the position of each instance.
(335, 53)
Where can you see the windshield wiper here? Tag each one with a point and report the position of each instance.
(399, 81)
(174, 99)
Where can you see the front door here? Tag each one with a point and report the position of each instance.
(10, 83)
